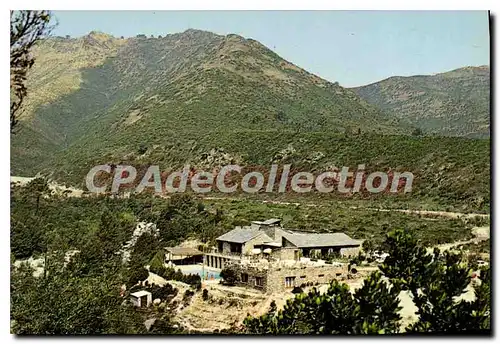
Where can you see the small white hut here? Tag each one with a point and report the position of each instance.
(141, 298)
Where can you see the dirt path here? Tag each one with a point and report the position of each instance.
(480, 234)
(448, 214)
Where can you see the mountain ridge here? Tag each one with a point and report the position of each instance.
(452, 103)
(464, 68)
(209, 100)
(100, 83)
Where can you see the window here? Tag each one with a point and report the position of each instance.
(235, 248)
(321, 275)
(289, 282)
(302, 276)
(244, 278)
(259, 281)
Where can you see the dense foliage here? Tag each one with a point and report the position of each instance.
(189, 87)
(230, 274)
(435, 281)
(80, 293)
(37, 217)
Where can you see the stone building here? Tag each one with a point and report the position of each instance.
(277, 277)
(272, 258)
(269, 240)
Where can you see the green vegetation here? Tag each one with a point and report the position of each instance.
(480, 251)
(230, 275)
(87, 287)
(451, 173)
(81, 295)
(337, 217)
(64, 302)
(221, 100)
(214, 83)
(205, 295)
(40, 223)
(434, 279)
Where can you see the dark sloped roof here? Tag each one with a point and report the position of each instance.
(271, 221)
(183, 251)
(319, 239)
(268, 222)
(242, 235)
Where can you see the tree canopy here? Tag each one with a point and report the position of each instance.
(26, 29)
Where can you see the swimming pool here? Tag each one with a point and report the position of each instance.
(209, 273)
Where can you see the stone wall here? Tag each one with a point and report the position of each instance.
(349, 251)
(252, 276)
(288, 253)
(273, 278)
(226, 247)
(303, 276)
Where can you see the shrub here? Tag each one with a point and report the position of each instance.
(188, 294)
(163, 293)
(170, 274)
(156, 264)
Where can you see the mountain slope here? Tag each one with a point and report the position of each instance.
(99, 94)
(210, 100)
(454, 103)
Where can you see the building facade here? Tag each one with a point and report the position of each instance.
(277, 278)
(271, 258)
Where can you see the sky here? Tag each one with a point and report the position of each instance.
(352, 48)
